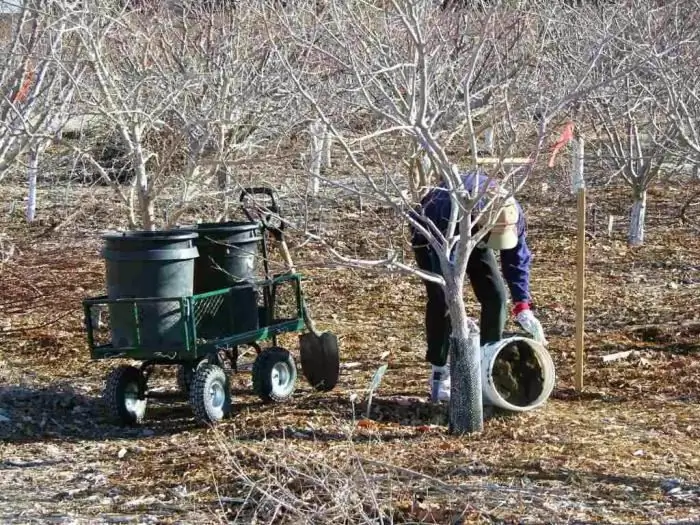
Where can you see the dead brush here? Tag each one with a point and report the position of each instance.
(166, 150)
(311, 482)
(281, 484)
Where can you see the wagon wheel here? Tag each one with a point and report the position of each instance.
(274, 375)
(186, 371)
(210, 394)
(125, 394)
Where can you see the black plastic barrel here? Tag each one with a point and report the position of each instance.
(152, 264)
(228, 252)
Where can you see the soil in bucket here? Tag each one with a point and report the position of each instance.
(517, 374)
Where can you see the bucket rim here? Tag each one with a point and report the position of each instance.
(149, 235)
(233, 226)
(544, 359)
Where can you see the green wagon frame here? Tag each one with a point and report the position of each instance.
(191, 310)
(205, 358)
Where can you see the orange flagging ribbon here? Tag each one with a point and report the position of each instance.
(566, 136)
(23, 92)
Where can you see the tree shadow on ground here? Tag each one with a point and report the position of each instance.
(682, 492)
(61, 413)
(399, 418)
(571, 394)
(418, 412)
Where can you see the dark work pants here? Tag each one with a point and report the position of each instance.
(489, 288)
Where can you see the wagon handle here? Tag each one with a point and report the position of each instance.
(273, 211)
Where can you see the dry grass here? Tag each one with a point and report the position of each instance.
(625, 451)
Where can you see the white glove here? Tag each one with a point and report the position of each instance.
(531, 325)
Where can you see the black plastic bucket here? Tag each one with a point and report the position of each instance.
(228, 252)
(151, 264)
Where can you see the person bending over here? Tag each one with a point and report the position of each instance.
(508, 235)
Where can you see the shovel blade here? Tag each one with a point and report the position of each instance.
(320, 359)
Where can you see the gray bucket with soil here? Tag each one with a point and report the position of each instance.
(152, 264)
(518, 374)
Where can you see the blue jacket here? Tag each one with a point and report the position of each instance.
(515, 263)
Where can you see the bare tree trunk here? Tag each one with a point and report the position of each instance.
(32, 172)
(466, 413)
(327, 142)
(224, 182)
(488, 141)
(317, 131)
(132, 209)
(145, 196)
(639, 210)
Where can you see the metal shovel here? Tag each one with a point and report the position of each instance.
(320, 356)
(319, 352)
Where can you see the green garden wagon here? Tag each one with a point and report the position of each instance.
(191, 298)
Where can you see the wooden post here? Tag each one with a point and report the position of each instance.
(580, 188)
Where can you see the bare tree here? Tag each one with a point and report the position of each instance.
(630, 120)
(416, 72)
(185, 95)
(678, 76)
(636, 140)
(38, 73)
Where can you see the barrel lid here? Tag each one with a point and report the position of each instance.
(223, 226)
(151, 235)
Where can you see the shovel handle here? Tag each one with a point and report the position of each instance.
(290, 264)
(287, 256)
(271, 211)
(279, 235)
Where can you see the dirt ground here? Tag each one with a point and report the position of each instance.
(623, 451)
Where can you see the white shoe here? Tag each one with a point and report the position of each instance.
(440, 383)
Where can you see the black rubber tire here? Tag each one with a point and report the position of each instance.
(270, 365)
(210, 394)
(122, 382)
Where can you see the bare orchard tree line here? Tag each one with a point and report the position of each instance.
(179, 97)
(221, 86)
(640, 124)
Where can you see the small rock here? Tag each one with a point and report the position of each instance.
(180, 491)
(121, 453)
(669, 485)
(673, 286)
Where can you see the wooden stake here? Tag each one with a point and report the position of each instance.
(580, 286)
(580, 189)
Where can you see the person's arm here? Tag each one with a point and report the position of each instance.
(515, 265)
